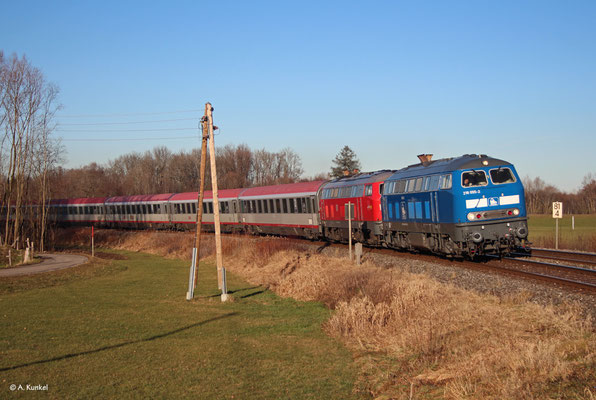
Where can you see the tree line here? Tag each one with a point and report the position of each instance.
(540, 197)
(163, 171)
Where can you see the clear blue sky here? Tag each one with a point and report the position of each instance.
(515, 80)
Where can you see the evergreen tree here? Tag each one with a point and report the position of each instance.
(346, 163)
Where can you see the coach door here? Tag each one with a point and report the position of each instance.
(235, 210)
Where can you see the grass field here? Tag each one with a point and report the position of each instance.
(123, 329)
(583, 237)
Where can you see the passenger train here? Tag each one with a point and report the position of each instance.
(464, 207)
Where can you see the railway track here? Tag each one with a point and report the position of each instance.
(580, 278)
(564, 255)
(571, 276)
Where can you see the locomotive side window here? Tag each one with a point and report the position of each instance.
(501, 175)
(418, 185)
(473, 178)
(433, 183)
(400, 186)
(368, 191)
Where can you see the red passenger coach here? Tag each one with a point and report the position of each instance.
(81, 211)
(149, 210)
(364, 192)
(288, 209)
(184, 209)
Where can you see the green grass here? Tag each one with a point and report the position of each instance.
(123, 329)
(583, 237)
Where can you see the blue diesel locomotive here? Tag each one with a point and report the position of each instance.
(470, 205)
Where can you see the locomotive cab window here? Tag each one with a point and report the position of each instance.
(501, 175)
(473, 178)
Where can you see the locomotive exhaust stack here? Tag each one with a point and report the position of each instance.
(425, 158)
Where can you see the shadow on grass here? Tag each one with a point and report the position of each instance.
(253, 294)
(115, 346)
(239, 290)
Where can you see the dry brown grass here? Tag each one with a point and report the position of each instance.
(585, 242)
(415, 337)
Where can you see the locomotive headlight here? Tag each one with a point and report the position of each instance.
(515, 211)
(471, 216)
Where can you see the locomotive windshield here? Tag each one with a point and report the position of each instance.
(473, 178)
(501, 175)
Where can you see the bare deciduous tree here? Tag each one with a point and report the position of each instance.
(28, 152)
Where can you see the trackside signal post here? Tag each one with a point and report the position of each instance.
(557, 215)
(207, 125)
(349, 213)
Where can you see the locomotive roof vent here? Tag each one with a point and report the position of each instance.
(425, 158)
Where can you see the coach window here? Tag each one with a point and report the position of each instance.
(501, 175)
(291, 206)
(283, 206)
(473, 178)
(299, 205)
(210, 205)
(265, 207)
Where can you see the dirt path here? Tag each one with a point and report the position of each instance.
(51, 262)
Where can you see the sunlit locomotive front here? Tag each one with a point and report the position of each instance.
(465, 206)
